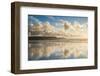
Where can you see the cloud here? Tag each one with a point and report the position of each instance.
(62, 27)
(75, 29)
(34, 20)
(43, 27)
(48, 27)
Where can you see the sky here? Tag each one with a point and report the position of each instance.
(56, 20)
(71, 25)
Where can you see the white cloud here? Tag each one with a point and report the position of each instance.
(48, 27)
(66, 28)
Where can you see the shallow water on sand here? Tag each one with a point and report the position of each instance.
(49, 50)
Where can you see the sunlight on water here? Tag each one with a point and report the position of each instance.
(43, 50)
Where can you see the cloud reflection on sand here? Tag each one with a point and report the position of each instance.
(57, 50)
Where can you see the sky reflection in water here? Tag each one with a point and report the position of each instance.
(42, 50)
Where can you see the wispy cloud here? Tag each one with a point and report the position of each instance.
(33, 20)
